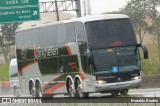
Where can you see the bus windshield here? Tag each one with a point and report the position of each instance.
(104, 33)
(116, 59)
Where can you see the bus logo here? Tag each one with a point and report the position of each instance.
(46, 52)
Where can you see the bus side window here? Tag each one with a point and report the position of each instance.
(52, 34)
(80, 31)
(70, 32)
(43, 34)
(34, 35)
(61, 34)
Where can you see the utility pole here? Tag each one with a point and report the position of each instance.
(78, 8)
(57, 13)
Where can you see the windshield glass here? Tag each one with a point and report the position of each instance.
(116, 59)
(104, 33)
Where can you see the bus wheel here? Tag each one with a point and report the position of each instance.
(79, 90)
(114, 93)
(32, 89)
(38, 90)
(70, 88)
(124, 92)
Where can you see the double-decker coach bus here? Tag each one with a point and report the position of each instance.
(79, 56)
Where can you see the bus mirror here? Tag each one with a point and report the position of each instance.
(145, 51)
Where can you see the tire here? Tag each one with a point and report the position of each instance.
(114, 93)
(38, 90)
(79, 90)
(70, 88)
(32, 89)
(124, 92)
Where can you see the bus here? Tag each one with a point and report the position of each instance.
(79, 56)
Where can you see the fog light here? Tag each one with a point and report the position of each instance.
(100, 82)
(136, 78)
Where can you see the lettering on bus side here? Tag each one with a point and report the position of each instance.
(46, 52)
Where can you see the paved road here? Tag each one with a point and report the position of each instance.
(152, 92)
(101, 98)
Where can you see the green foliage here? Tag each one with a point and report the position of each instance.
(4, 71)
(8, 32)
(7, 38)
(137, 11)
(151, 66)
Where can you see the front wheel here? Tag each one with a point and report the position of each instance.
(124, 92)
(114, 93)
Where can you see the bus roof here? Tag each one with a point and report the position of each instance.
(81, 19)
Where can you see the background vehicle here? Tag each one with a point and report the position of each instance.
(79, 56)
(14, 79)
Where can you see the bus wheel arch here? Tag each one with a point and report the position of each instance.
(70, 86)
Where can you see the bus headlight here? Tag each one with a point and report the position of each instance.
(136, 78)
(100, 82)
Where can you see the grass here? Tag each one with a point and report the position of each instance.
(150, 66)
(4, 71)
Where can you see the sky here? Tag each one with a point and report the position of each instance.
(100, 6)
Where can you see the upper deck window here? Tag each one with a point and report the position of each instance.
(104, 33)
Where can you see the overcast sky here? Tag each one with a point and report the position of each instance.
(100, 6)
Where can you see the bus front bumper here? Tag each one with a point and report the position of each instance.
(117, 86)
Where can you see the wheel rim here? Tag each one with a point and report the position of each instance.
(33, 92)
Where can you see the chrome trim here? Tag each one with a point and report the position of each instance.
(117, 85)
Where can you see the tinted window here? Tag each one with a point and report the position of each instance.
(61, 33)
(70, 32)
(43, 35)
(102, 34)
(52, 34)
(124, 58)
(34, 37)
(80, 31)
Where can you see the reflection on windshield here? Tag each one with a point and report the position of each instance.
(116, 59)
(101, 34)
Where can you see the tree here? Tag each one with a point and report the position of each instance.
(7, 38)
(153, 13)
(137, 10)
